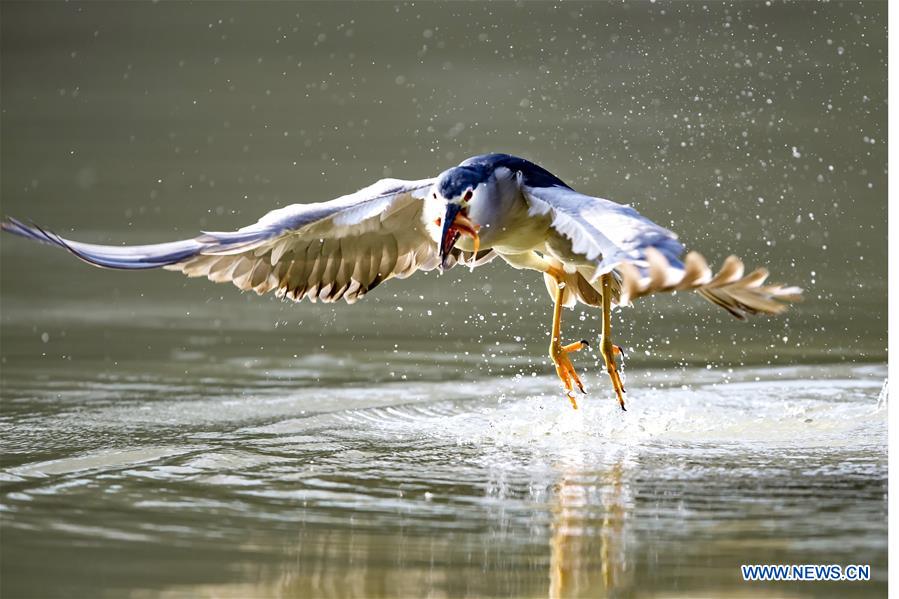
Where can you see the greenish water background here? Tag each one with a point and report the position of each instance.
(749, 129)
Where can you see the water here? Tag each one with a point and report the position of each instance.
(170, 437)
(224, 486)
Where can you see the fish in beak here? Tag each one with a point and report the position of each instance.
(456, 223)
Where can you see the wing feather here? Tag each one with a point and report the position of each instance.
(260, 273)
(327, 267)
(304, 274)
(313, 279)
(361, 270)
(280, 248)
(696, 271)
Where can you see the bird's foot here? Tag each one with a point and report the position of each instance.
(565, 369)
(614, 359)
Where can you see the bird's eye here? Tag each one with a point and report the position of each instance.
(435, 195)
(467, 195)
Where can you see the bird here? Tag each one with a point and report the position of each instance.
(590, 250)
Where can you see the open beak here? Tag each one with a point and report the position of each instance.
(456, 223)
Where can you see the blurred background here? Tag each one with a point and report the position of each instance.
(754, 128)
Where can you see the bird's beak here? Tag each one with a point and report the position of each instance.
(456, 223)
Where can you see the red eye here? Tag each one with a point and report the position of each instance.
(467, 195)
(437, 222)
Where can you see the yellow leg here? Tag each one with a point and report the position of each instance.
(558, 352)
(608, 350)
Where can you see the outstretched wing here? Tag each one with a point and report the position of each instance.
(645, 257)
(330, 250)
(601, 231)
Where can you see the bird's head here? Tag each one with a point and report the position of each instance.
(455, 192)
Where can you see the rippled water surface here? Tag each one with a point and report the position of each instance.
(166, 437)
(203, 485)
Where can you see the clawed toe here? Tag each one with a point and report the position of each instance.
(565, 369)
(613, 357)
(576, 346)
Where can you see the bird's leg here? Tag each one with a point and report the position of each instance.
(608, 350)
(558, 352)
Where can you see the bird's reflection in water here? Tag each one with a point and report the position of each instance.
(464, 540)
(588, 546)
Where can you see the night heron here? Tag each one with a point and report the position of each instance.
(589, 250)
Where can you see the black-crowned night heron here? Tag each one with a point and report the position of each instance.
(589, 250)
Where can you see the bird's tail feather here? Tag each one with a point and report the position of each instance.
(730, 289)
(108, 256)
